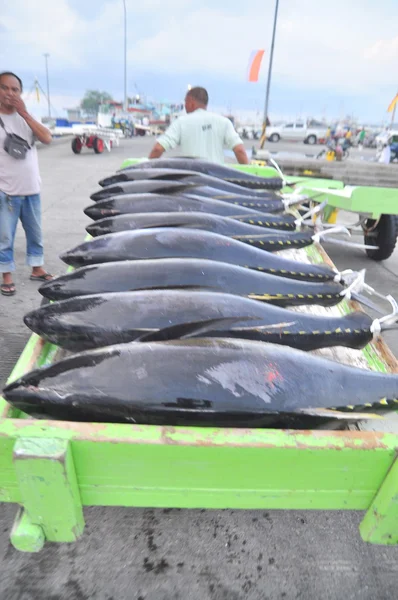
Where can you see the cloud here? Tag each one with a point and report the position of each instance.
(320, 54)
(383, 51)
(333, 48)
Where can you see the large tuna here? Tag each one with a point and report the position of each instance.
(213, 169)
(164, 242)
(184, 176)
(270, 203)
(191, 220)
(201, 382)
(190, 273)
(86, 322)
(144, 203)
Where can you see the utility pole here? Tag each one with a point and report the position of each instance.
(46, 55)
(271, 57)
(125, 56)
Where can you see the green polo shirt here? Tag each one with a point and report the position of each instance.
(201, 134)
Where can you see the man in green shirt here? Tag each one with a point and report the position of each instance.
(200, 133)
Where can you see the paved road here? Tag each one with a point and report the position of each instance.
(284, 149)
(144, 554)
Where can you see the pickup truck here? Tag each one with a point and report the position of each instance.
(298, 131)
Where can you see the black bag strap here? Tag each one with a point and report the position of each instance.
(2, 125)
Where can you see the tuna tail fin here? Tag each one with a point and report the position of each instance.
(194, 328)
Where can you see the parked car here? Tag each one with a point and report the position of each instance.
(296, 131)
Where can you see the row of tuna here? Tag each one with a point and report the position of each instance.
(177, 311)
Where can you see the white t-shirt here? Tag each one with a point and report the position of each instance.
(201, 134)
(18, 177)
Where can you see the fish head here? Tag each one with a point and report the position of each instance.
(26, 395)
(95, 229)
(42, 320)
(50, 287)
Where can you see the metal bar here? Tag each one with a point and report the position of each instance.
(271, 57)
(125, 55)
(46, 55)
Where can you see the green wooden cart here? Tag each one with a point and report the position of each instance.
(376, 207)
(53, 469)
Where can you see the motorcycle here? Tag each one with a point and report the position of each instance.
(336, 149)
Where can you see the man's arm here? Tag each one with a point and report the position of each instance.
(39, 131)
(156, 151)
(170, 139)
(240, 154)
(233, 141)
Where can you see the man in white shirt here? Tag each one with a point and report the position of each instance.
(19, 184)
(200, 133)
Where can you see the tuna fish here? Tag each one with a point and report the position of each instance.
(190, 273)
(169, 242)
(86, 322)
(269, 202)
(141, 203)
(200, 382)
(184, 176)
(192, 220)
(212, 169)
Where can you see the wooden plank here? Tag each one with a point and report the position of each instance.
(25, 536)
(380, 525)
(48, 485)
(133, 465)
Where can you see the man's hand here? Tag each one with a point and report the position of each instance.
(41, 133)
(20, 107)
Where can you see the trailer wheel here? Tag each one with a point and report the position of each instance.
(382, 233)
(77, 145)
(98, 145)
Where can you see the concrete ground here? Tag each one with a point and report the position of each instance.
(283, 149)
(146, 554)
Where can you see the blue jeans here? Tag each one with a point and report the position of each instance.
(28, 209)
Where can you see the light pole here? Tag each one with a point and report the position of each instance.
(46, 55)
(125, 55)
(271, 57)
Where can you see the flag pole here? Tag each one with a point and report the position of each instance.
(271, 57)
(393, 112)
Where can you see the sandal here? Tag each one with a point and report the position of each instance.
(44, 277)
(7, 289)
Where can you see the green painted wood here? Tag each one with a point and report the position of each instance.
(25, 536)
(48, 486)
(380, 525)
(180, 467)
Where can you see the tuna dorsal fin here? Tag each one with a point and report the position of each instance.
(194, 328)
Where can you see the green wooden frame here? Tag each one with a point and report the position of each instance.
(53, 469)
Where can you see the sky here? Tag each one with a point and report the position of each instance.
(331, 58)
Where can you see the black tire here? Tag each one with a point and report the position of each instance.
(76, 146)
(311, 140)
(384, 236)
(275, 137)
